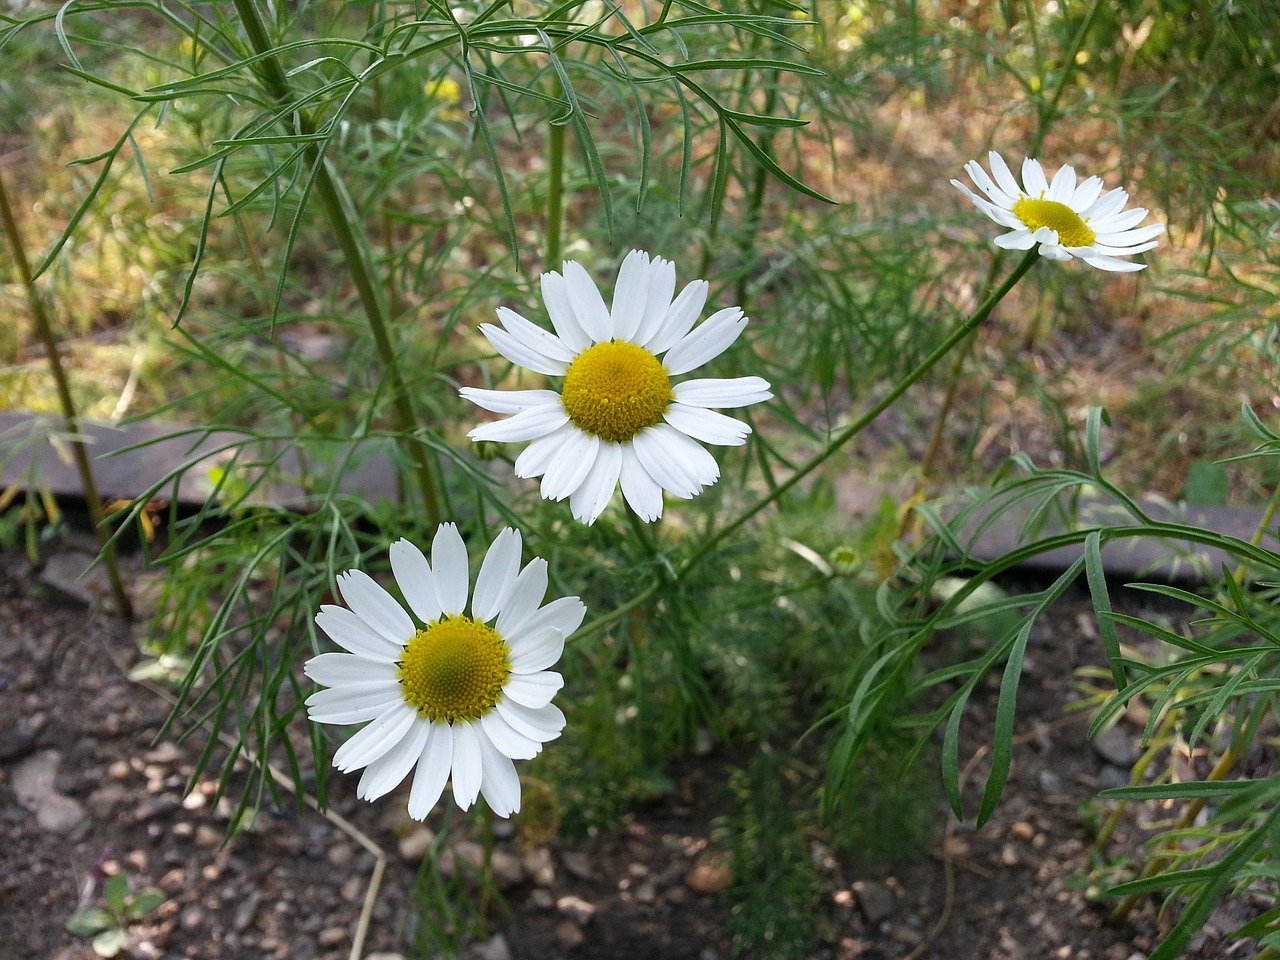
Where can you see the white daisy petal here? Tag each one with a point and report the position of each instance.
(1127, 250)
(707, 425)
(1107, 205)
(353, 703)
(662, 466)
(388, 771)
(1113, 265)
(537, 456)
(570, 465)
(642, 492)
(374, 606)
(1018, 240)
(593, 494)
(533, 689)
(345, 717)
(1054, 252)
(449, 566)
(1033, 178)
(564, 614)
(675, 461)
(497, 575)
(555, 295)
(526, 425)
(1004, 176)
(467, 768)
(1086, 192)
(997, 214)
(434, 764)
(521, 353)
(413, 575)
(507, 739)
(351, 633)
(630, 295)
(510, 401)
(996, 195)
(738, 392)
(1127, 237)
(369, 743)
(534, 337)
(708, 341)
(679, 319)
(1120, 222)
(1063, 186)
(538, 651)
(544, 724)
(588, 305)
(662, 286)
(499, 782)
(333, 669)
(529, 589)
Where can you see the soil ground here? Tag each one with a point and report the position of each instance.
(87, 790)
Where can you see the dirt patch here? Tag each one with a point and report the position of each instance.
(86, 792)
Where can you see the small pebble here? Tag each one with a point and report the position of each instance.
(576, 909)
(413, 846)
(709, 877)
(540, 867)
(340, 854)
(540, 899)
(569, 935)
(578, 864)
(332, 936)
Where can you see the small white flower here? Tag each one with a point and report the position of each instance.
(1067, 219)
(618, 419)
(455, 696)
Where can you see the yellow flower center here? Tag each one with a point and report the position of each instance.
(454, 669)
(1058, 217)
(615, 390)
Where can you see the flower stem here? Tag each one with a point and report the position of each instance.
(1189, 815)
(855, 428)
(341, 219)
(1264, 527)
(44, 327)
(555, 194)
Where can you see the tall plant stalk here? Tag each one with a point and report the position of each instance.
(1047, 114)
(555, 196)
(44, 328)
(342, 220)
(852, 430)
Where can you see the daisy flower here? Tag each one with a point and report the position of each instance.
(1068, 219)
(618, 419)
(456, 695)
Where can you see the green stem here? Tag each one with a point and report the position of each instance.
(44, 327)
(555, 195)
(755, 198)
(1264, 526)
(1047, 114)
(855, 428)
(341, 220)
(1189, 815)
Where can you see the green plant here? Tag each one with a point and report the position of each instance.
(108, 925)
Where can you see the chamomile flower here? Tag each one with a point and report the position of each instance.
(618, 419)
(1069, 220)
(454, 693)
